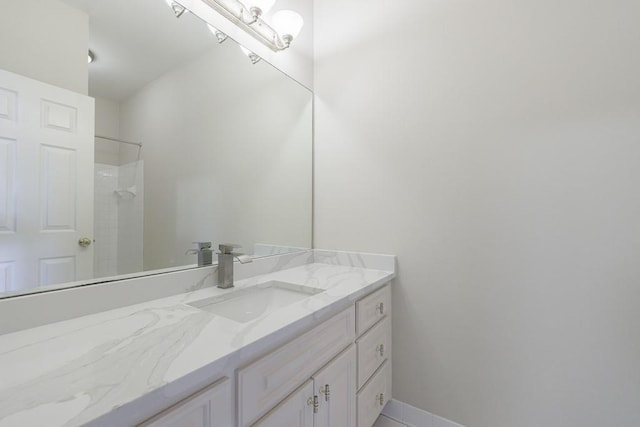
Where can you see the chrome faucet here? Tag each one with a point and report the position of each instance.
(225, 263)
(204, 252)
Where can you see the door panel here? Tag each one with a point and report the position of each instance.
(6, 275)
(59, 117)
(58, 188)
(56, 270)
(8, 105)
(7, 185)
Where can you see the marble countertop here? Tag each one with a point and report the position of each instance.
(84, 370)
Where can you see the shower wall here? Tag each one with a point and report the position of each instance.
(105, 221)
(130, 218)
(118, 219)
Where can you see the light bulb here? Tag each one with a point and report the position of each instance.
(288, 24)
(90, 57)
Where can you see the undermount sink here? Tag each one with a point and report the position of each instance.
(245, 305)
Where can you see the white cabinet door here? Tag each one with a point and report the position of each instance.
(335, 386)
(46, 183)
(210, 407)
(295, 411)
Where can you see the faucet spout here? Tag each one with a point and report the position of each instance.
(244, 259)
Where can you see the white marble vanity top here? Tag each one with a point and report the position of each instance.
(85, 370)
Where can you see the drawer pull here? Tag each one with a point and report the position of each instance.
(380, 349)
(380, 398)
(327, 393)
(313, 401)
(380, 308)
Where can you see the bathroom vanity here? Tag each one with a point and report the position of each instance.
(306, 343)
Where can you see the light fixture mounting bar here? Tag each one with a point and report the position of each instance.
(255, 26)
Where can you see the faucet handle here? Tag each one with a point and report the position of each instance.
(202, 245)
(227, 248)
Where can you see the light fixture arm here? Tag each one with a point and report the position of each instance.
(250, 21)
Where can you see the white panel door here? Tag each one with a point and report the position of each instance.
(295, 411)
(46, 183)
(335, 386)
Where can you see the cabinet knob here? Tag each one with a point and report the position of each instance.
(380, 308)
(313, 401)
(380, 349)
(380, 398)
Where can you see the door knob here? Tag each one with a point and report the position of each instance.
(84, 242)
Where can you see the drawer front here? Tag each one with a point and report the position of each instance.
(267, 381)
(374, 347)
(374, 395)
(210, 407)
(372, 308)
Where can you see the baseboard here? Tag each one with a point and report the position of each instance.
(414, 417)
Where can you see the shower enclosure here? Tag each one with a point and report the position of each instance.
(118, 218)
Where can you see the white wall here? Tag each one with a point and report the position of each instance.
(227, 152)
(495, 148)
(107, 124)
(50, 46)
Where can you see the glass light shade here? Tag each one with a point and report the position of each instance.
(264, 5)
(220, 36)
(177, 8)
(287, 23)
(252, 56)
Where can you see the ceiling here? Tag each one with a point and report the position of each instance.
(136, 41)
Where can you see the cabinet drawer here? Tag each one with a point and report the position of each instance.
(267, 381)
(210, 407)
(374, 395)
(374, 347)
(372, 308)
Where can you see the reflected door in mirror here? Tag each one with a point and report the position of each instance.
(46, 184)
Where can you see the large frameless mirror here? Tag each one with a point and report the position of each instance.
(175, 139)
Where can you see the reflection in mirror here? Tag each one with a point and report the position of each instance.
(186, 141)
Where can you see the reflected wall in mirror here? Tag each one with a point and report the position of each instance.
(186, 141)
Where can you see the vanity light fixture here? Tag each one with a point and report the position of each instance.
(286, 24)
(252, 56)
(178, 9)
(219, 34)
